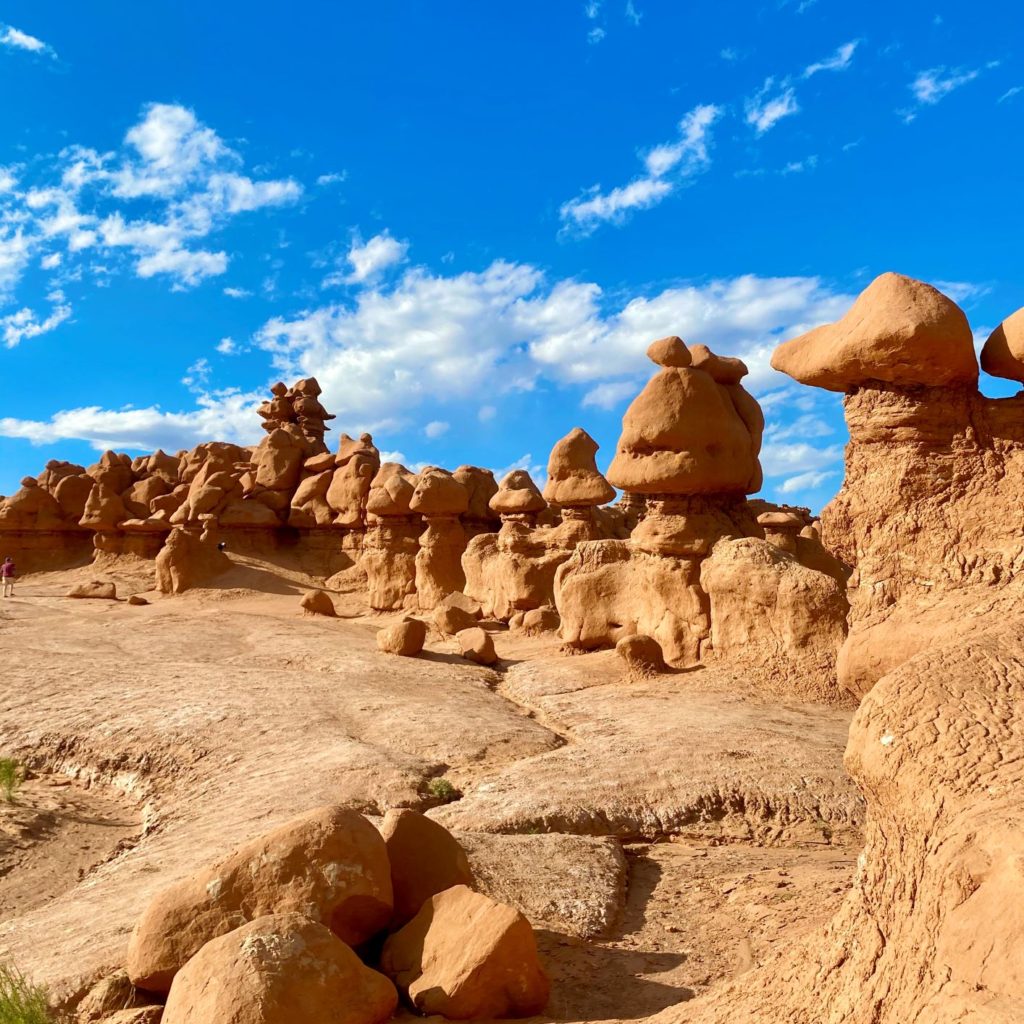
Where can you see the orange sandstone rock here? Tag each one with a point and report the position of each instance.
(279, 969)
(464, 956)
(425, 860)
(330, 865)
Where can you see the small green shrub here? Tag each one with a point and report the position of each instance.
(440, 789)
(21, 1002)
(10, 780)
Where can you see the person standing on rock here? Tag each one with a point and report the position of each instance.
(7, 574)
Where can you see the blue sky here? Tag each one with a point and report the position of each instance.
(468, 220)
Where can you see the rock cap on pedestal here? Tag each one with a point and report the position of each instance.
(573, 476)
(517, 494)
(899, 331)
(1003, 353)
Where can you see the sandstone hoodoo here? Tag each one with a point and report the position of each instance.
(441, 500)
(689, 447)
(392, 539)
(929, 458)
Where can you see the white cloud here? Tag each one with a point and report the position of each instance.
(806, 481)
(16, 327)
(15, 39)
(225, 415)
(8, 178)
(839, 61)
(611, 394)
(436, 428)
(805, 426)
(334, 178)
(764, 111)
(237, 293)
(449, 339)
(632, 14)
(538, 472)
(668, 166)
(934, 85)
(197, 376)
(178, 178)
(486, 413)
(228, 347)
(798, 166)
(781, 458)
(931, 86)
(368, 261)
(962, 291)
(1010, 93)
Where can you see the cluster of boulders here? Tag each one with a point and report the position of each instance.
(329, 918)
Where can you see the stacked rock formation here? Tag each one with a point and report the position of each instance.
(266, 935)
(929, 510)
(576, 487)
(696, 573)
(297, 410)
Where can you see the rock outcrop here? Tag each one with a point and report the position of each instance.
(392, 539)
(441, 499)
(929, 507)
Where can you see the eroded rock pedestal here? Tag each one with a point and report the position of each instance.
(930, 508)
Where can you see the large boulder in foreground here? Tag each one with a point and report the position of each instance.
(279, 969)
(464, 956)
(425, 859)
(329, 864)
(899, 331)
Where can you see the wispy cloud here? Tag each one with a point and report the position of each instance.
(632, 14)
(931, 86)
(334, 178)
(839, 61)
(667, 166)
(806, 481)
(770, 104)
(14, 39)
(1010, 93)
(25, 323)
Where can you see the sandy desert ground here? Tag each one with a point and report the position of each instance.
(662, 835)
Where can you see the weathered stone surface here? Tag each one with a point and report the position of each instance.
(329, 864)
(476, 645)
(100, 589)
(464, 956)
(641, 655)
(318, 602)
(573, 476)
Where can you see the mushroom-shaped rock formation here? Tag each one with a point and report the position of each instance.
(781, 529)
(689, 448)
(1003, 352)
(929, 459)
(441, 500)
(686, 434)
(481, 487)
(392, 538)
(514, 569)
(298, 410)
(517, 498)
(574, 480)
(899, 331)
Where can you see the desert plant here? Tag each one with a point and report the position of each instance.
(10, 780)
(21, 1002)
(443, 790)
